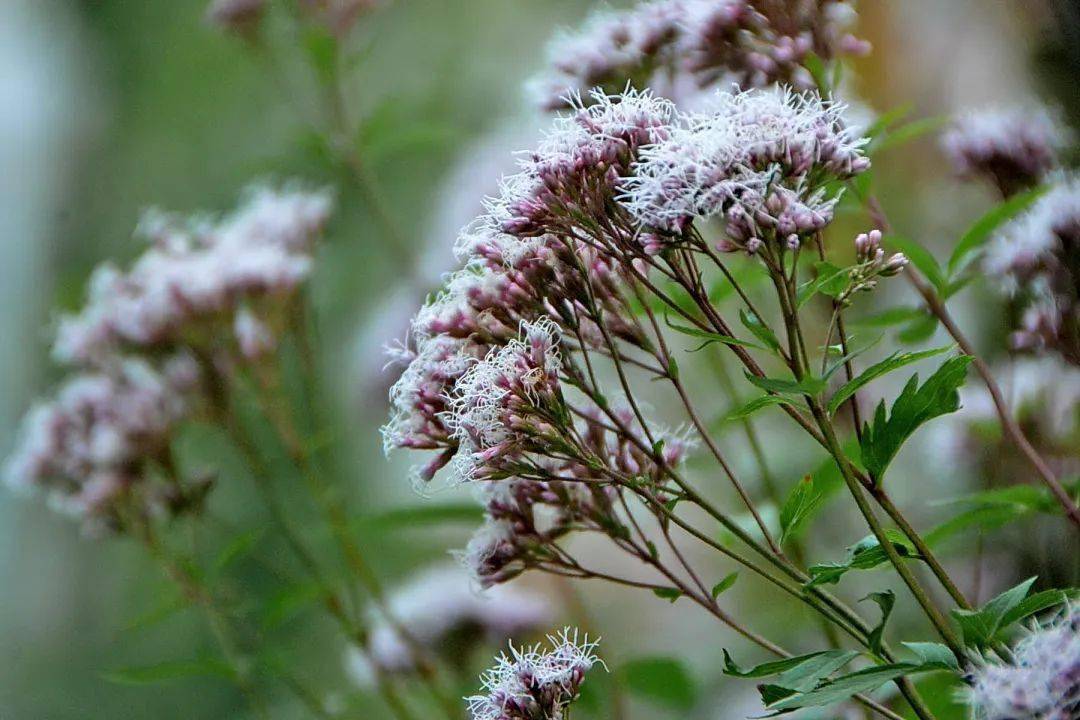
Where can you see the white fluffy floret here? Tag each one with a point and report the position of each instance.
(740, 145)
(1025, 245)
(485, 400)
(533, 682)
(1041, 683)
(1020, 143)
(195, 271)
(86, 445)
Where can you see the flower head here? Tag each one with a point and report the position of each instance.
(1033, 258)
(90, 446)
(535, 683)
(1014, 148)
(754, 158)
(1041, 683)
(196, 276)
(504, 398)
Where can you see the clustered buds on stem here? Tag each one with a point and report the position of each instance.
(535, 683)
(667, 44)
(1041, 682)
(207, 294)
(871, 264)
(1014, 148)
(1036, 259)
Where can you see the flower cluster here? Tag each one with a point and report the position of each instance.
(206, 293)
(757, 159)
(1036, 259)
(742, 42)
(92, 447)
(442, 612)
(540, 260)
(534, 683)
(198, 278)
(1013, 148)
(871, 264)
(1041, 683)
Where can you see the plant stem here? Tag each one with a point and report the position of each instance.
(936, 306)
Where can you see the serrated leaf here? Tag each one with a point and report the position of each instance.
(1034, 604)
(168, 671)
(661, 680)
(922, 259)
(724, 584)
(806, 386)
(917, 404)
(759, 329)
(980, 627)
(797, 507)
(976, 236)
(845, 686)
(669, 594)
(885, 600)
(894, 362)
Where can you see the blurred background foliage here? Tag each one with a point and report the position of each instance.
(110, 106)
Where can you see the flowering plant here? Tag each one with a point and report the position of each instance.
(701, 200)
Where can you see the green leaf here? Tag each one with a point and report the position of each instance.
(981, 627)
(724, 584)
(1034, 604)
(816, 66)
(806, 675)
(909, 132)
(887, 432)
(169, 671)
(759, 329)
(921, 258)
(976, 235)
(894, 362)
(797, 507)
(661, 680)
(806, 386)
(709, 337)
(863, 555)
(918, 330)
(423, 515)
(164, 608)
(885, 600)
(669, 594)
(845, 686)
(931, 654)
(831, 280)
(887, 120)
(239, 547)
(888, 318)
(751, 407)
(322, 48)
(770, 668)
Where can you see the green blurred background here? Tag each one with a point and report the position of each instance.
(110, 106)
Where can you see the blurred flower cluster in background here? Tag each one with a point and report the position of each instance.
(316, 162)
